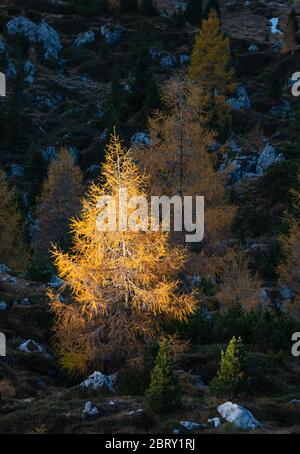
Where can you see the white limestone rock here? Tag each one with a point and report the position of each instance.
(97, 380)
(242, 418)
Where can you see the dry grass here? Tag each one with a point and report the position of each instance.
(7, 389)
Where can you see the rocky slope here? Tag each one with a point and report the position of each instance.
(67, 78)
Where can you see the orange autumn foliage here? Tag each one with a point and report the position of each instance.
(179, 162)
(60, 200)
(121, 283)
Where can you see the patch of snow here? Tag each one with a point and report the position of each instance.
(274, 25)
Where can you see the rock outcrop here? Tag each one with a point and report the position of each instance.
(239, 416)
(41, 33)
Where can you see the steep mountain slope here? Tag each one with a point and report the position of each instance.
(69, 79)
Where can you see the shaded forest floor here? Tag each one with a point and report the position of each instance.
(37, 397)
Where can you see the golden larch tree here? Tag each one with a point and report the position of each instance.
(288, 269)
(122, 282)
(13, 248)
(59, 201)
(176, 158)
(179, 162)
(210, 59)
(210, 67)
(239, 285)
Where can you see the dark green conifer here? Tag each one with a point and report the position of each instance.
(164, 394)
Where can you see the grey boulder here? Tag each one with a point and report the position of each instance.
(90, 410)
(41, 33)
(242, 418)
(267, 158)
(97, 380)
